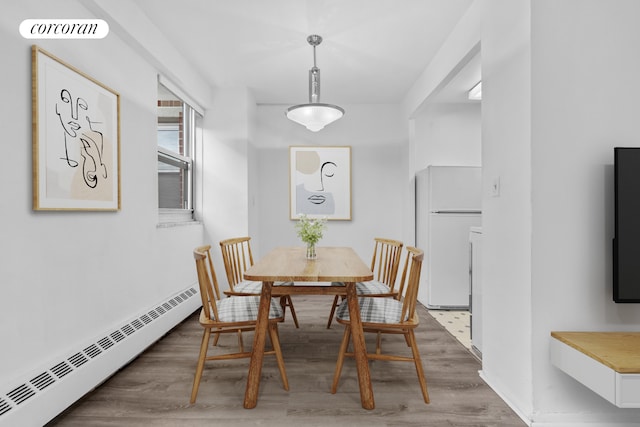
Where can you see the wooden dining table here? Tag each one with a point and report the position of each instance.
(289, 264)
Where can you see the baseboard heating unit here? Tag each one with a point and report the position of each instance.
(48, 391)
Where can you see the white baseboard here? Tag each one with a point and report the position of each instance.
(49, 391)
(524, 417)
(569, 420)
(622, 417)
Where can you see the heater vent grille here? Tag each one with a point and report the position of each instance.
(127, 329)
(117, 336)
(39, 383)
(78, 359)
(105, 343)
(92, 351)
(4, 407)
(21, 393)
(61, 369)
(42, 381)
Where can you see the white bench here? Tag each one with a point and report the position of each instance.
(606, 362)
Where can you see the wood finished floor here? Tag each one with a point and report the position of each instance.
(154, 388)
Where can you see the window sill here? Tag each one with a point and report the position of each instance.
(178, 224)
(175, 218)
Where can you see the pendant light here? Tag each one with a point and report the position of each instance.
(314, 115)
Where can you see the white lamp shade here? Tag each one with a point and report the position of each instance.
(314, 116)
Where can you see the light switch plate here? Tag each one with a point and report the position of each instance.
(495, 187)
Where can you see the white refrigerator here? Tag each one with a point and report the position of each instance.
(475, 278)
(448, 204)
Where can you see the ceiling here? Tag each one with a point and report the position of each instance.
(372, 53)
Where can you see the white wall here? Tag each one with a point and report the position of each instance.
(67, 277)
(448, 134)
(378, 137)
(547, 237)
(506, 154)
(462, 44)
(225, 168)
(575, 45)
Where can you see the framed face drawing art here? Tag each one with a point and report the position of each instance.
(320, 182)
(76, 138)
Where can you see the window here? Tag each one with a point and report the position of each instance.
(178, 126)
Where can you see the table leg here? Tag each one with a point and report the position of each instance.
(359, 348)
(257, 353)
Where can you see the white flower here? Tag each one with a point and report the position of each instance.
(310, 230)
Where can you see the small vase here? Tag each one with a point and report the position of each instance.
(311, 251)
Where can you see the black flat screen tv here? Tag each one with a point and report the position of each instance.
(626, 240)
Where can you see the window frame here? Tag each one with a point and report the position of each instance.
(185, 162)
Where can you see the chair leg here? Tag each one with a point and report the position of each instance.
(293, 310)
(285, 301)
(379, 343)
(216, 338)
(275, 342)
(341, 355)
(333, 311)
(418, 362)
(240, 342)
(406, 339)
(200, 366)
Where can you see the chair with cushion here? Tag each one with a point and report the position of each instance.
(384, 264)
(211, 275)
(230, 315)
(389, 316)
(237, 257)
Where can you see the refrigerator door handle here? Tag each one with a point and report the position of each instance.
(457, 211)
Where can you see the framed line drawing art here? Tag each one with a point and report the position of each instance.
(320, 182)
(76, 138)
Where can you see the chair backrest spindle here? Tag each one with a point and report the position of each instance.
(237, 257)
(209, 292)
(385, 261)
(410, 281)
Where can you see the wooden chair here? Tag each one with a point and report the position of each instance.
(230, 315)
(211, 274)
(389, 316)
(384, 264)
(237, 257)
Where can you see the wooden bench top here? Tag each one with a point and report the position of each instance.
(618, 350)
